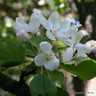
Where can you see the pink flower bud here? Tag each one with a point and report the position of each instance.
(22, 36)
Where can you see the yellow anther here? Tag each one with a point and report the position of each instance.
(49, 57)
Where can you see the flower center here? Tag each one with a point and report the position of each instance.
(76, 42)
(54, 31)
(49, 57)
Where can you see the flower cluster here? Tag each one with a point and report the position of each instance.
(55, 28)
(76, 52)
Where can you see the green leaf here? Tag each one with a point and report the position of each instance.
(36, 40)
(61, 92)
(58, 46)
(11, 54)
(42, 84)
(29, 49)
(85, 70)
(30, 66)
(58, 76)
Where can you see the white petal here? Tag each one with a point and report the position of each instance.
(81, 55)
(50, 36)
(71, 62)
(20, 22)
(67, 41)
(54, 20)
(42, 19)
(52, 65)
(65, 34)
(76, 36)
(62, 34)
(37, 11)
(40, 59)
(79, 36)
(75, 27)
(34, 23)
(44, 22)
(65, 25)
(17, 27)
(68, 55)
(73, 36)
(46, 47)
(83, 48)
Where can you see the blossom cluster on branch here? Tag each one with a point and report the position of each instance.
(55, 29)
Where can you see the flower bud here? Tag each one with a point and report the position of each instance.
(22, 36)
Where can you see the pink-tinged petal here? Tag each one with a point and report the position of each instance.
(22, 36)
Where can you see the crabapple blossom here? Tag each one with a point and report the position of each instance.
(53, 25)
(76, 52)
(67, 32)
(23, 27)
(46, 57)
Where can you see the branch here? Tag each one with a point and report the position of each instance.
(26, 73)
(14, 87)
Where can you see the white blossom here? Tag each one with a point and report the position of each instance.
(22, 27)
(76, 52)
(46, 57)
(31, 27)
(53, 25)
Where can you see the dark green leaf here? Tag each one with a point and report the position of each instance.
(61, 92)
(58, 76)
(11, 54)
(30, 66)
(29, 49)
(36, 40)
(42, 84)
(85, 70)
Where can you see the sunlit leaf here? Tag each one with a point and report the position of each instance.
(85, 70)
